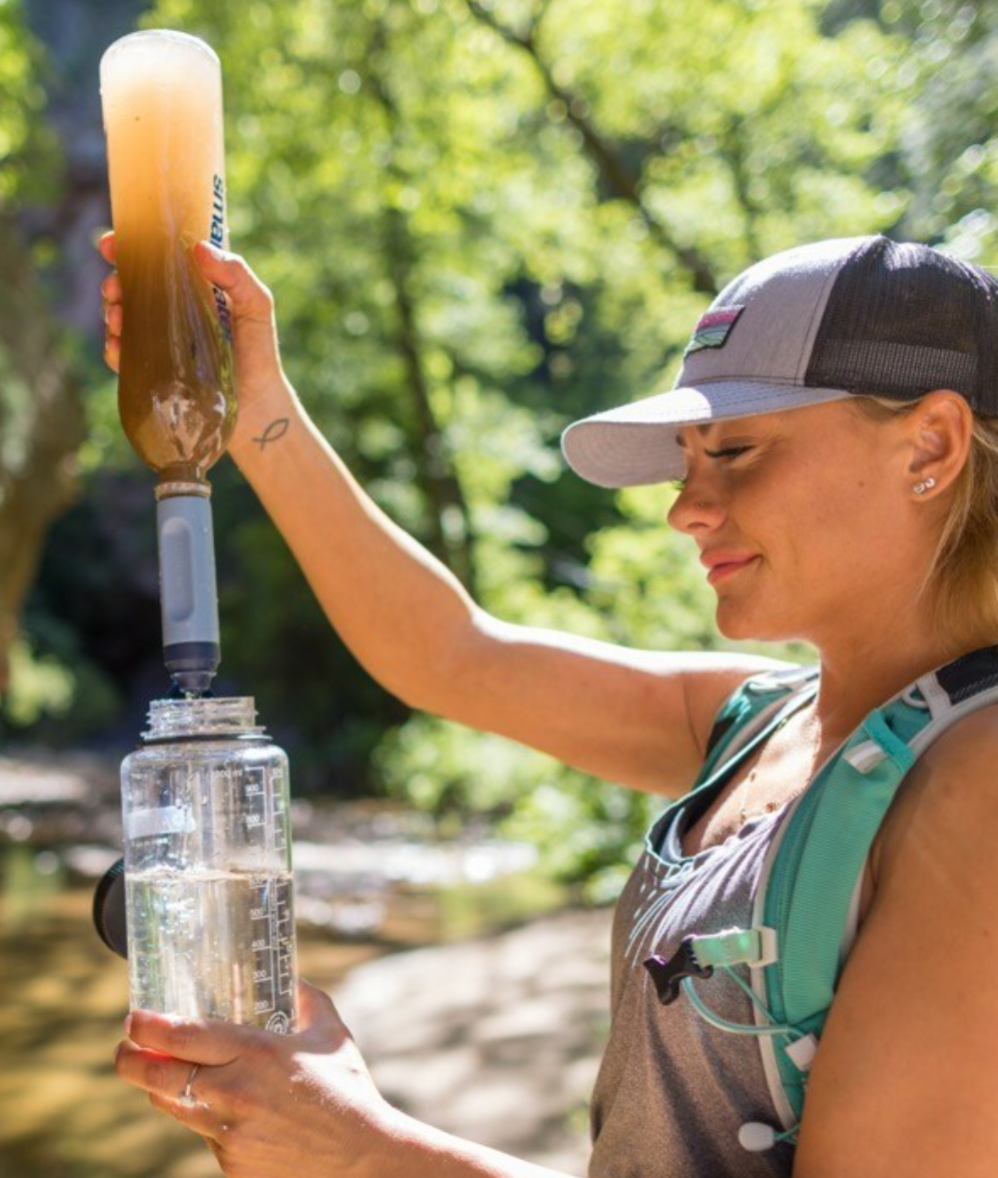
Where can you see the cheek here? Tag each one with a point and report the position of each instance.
(843, 529)
(824, 525)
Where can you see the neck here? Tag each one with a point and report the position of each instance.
(856, 680)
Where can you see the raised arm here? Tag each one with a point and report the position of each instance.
(638, 718)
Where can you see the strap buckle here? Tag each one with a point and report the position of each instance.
(667, 973)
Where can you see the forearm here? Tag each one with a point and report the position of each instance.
(412, 1149)
(400, 611)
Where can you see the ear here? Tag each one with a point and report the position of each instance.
(942, 429)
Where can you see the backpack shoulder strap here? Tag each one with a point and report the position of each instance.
(747, 713)
(810, 889)
(746, 718)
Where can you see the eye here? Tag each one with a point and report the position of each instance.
(727, 452)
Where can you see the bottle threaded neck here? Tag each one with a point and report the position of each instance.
(170, 719)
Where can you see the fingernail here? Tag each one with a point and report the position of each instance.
(216, 253)
(128, 1023)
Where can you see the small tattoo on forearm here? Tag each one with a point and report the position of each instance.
(276, 430)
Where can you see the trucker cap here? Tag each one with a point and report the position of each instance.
(853, 316)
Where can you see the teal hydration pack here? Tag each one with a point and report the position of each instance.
(806, 910)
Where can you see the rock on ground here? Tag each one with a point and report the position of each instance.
(497, 1039)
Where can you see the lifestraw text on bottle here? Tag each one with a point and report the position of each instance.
(217, 238)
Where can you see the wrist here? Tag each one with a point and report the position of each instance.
(264, 416)
(407, 1148)
(393, 1146)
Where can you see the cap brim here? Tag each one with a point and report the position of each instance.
(637, 444)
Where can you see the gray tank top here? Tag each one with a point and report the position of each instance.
(673, 1091)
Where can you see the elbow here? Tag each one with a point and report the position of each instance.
(442, 675)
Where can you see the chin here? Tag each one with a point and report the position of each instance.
(739, 626)
(738, 633)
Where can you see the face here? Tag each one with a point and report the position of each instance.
(803, 521)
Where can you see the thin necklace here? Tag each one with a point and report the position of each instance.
(744, 812)
(768, 807)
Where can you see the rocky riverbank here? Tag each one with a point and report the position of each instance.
(496, 1039)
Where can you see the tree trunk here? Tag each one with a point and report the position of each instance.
(41, 428)
(437, 475)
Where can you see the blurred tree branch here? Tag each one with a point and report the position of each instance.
(618, 177)
(733, 153)
(436, 472)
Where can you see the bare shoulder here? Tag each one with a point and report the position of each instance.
(897, 1084)
(950, 800)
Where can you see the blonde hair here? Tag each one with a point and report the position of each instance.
(962, 579)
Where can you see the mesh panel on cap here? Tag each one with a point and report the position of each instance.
(904, 319)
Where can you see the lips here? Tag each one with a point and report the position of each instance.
(721, 564)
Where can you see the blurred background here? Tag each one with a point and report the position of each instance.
(480, 219)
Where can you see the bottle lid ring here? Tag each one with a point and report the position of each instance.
(172, 490)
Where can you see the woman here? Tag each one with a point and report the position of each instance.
(839, 477)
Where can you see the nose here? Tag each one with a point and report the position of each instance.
(698, 508)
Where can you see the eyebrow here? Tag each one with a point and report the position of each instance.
(702, 430)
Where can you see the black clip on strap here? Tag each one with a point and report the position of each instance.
(668, 973)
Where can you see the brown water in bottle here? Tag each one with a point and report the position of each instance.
(162, 99)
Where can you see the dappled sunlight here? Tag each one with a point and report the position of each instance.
(63, 995)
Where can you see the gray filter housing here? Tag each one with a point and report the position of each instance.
(188, 592)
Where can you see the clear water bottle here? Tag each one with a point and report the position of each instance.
(208, 883)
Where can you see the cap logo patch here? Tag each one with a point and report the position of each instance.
(712, 329)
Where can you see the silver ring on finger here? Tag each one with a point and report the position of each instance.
(187, 1097)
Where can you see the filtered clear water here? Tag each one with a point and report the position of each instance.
(213, 944)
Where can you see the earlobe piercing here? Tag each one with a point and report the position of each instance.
(924, 485)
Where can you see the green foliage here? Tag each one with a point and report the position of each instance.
(587, 830)
(482, 220)
(25, 164)
(952, 145)
(56, 693)
(517, 210)
(27, 144)
(41, 686)
(20, 98)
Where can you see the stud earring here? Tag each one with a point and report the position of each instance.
(924, 485)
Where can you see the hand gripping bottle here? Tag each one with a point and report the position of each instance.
(161, 93)
(208, 884)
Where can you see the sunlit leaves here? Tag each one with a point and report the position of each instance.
(21, 100)
(515, 210)
(951, 143)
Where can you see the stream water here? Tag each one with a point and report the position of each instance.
(370, 880)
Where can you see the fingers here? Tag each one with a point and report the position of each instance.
(106, 247)
(113, 319)
(196, 1095)
(112, 353)
(229, 272)
(152, 1071)
(199, 1118)
(251, 304)
(203, 1041)
(110, 290)
(316, 1010)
